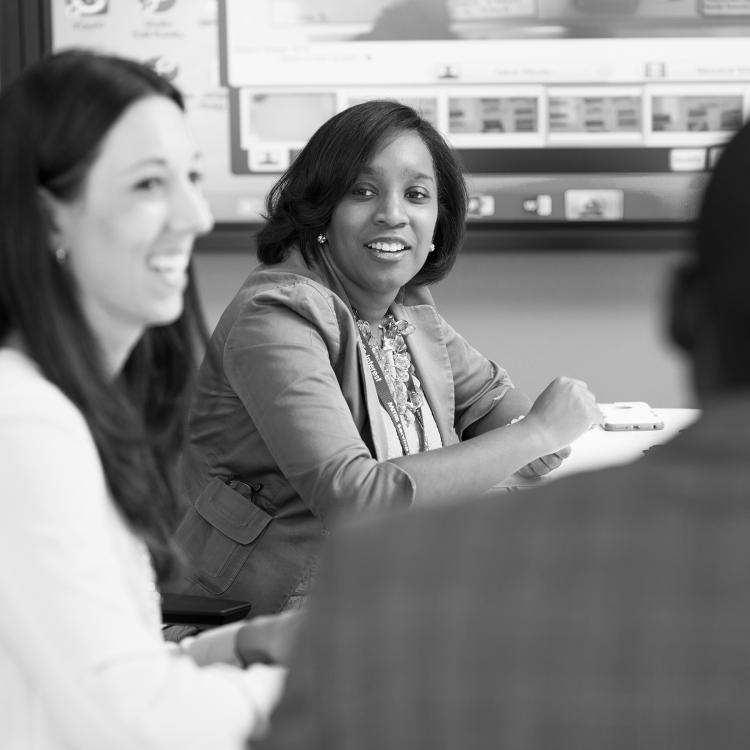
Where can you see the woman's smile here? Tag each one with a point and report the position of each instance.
(389, 248)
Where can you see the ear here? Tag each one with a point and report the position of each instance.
(687, 313)
(53, 209)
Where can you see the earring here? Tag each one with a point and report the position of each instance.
(432, 246)
(322, 239)
(61, 254)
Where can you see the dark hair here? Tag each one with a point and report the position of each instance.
(53, 118)
(722, 257)
(301, 203)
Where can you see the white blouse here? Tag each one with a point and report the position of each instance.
(82, 660)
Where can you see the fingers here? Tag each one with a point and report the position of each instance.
(544, 464)
(563, 452)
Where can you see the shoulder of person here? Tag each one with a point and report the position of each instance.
(291, 283)
(41, 427)
(25, 394)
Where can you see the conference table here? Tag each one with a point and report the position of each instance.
(598, 448)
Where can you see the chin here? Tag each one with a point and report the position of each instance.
(166, 314)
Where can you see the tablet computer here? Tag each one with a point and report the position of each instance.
(190, 609)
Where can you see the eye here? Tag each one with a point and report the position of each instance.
(147, 184)
(195, 176)
(417, 194)
(362, 191)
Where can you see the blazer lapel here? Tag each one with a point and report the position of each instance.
(372, 404)
(431, 364)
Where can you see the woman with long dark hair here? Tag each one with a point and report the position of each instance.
(101, 202)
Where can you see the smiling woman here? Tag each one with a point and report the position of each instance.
(101, 204)
(128, 233)
(332, 385)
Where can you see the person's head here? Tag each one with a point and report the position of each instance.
(710, 305)
(100, 210)
(100, 202)
(341, 152)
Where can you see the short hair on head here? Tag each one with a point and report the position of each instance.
(301, 203)
(721, 256)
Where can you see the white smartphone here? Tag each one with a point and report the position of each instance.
(630, 415)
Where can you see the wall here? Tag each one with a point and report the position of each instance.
(592, 315)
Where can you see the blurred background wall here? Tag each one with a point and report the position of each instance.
(592, 315)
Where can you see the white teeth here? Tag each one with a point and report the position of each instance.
(387, 247)
(172, 268)
(169, 264)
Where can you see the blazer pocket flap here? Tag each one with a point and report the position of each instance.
(233, 514)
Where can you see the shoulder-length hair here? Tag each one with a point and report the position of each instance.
(53, 118)
(301, 203)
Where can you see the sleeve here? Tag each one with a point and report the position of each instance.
(361, 654)
(478, 383)
(73, 620)
(278, 358)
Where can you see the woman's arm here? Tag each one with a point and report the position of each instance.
(299, 380)
(270, 639)
(281, 358)
(511, 406)
(78, 615)
(563, 411)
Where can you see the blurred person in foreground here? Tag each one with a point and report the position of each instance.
(606, 610)
(101, 200)
(332, 385)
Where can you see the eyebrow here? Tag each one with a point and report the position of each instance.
(408, 172)
(157, 161)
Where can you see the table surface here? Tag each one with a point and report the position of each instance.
(598, 447)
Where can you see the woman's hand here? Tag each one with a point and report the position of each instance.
(563, 411)
(269, 638)
(544, 464)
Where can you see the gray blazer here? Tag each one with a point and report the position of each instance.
(281, 442)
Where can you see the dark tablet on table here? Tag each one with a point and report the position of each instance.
(190, 609)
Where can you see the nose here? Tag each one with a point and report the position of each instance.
(190, 212)
(391, 210)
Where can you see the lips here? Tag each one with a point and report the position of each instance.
(172, 266)
(389, 246)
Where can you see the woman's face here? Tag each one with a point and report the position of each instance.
(130, 231)
(381, 230)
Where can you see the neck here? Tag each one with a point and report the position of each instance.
(371, 305)
(115, 345)
(374, 319)
(372, 313)
(116, 338)
(116, 355)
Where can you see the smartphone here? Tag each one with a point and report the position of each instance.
(188, 609)
(630, 415)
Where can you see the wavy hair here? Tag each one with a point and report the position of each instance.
(53, 118)
(301, 203)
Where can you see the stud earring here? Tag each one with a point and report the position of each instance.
(61, 254)
(432, 246)
(322, 239)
